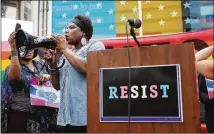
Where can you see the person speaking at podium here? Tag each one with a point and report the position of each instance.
(71, 78)
(206, 69)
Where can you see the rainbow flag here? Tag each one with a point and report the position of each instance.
(5, 52)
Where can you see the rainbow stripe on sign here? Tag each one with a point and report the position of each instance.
(210, 88)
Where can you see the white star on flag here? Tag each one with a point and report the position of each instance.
(187, 20)
(123, 3)
(87, 13)
(160, 7)
(99, 5)
(111, 27)
(187, 5)
(110, 11)
(63, 30)
(161, 22)
(134, 9)
(75, 7)
(148, 1)
(64, 15)
(174, 13)
(123, 18)
(148, 16)
(99, 20)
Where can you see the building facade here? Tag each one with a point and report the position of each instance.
(33, 11)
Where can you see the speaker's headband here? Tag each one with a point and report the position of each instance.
(79, 24)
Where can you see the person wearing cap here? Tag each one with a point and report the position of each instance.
(71, 78)
(20, 116)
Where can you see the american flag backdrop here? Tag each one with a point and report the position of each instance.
(108, 17)
(201, 14)
(161, 17)
(158, 17)
(125, 10)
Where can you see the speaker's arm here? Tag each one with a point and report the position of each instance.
(76, 61)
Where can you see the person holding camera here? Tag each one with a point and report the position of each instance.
(71, 78)
(18, 116)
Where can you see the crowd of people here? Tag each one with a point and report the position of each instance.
(19, 116)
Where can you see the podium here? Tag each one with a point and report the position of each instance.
(163, 55)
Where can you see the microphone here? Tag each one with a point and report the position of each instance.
(136, 23)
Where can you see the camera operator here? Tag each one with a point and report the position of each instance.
(20, 116)
(71, 78)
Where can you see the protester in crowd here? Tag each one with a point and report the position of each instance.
(71, 78)
(18, 116)
(206, 69)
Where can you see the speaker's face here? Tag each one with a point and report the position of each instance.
(73, 34)
(29, 55)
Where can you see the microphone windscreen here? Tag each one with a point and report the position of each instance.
(137, 23)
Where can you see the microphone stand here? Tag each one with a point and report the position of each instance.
(134, 35)
(129, 81)
(129, 73)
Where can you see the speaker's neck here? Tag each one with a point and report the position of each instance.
(78, 46)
